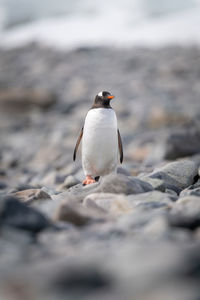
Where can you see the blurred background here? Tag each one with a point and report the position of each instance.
(86, 22)
(55, 56)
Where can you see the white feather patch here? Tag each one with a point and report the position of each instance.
(100, 94)
(100, 143)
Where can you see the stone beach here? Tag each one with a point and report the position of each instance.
(132, 235)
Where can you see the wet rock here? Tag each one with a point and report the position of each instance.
(16, 214)
(31, 195)
(176, 175)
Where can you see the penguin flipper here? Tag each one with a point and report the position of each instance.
(77, 144)
(120, 146)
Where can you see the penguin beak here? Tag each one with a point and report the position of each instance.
(111, 97)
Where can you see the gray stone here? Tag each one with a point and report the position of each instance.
(157, 227)
(177, 175)
(31, 195)
(156, 183)
(121, 170)
(123, 204)
(16, 214)
(69, 182)
(47, 207)
(121, 184)
(113, 183)
(187, 206)
(150, 201)
(112, 203)
(3, 185)
(186, 213)
(182, 142)
(78, 192)
(190, 191)
(77, 214)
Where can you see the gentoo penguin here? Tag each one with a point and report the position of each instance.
(101, 139)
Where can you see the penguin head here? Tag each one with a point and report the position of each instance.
(103, 100)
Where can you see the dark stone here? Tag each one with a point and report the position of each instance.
(182, 221)
(182, 142)
(81, 281)
(23, 187)
(3, 185)
(18, 215)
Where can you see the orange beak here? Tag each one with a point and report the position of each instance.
(111, 97)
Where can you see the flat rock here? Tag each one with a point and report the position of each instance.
(77, 214)
(177, 175)
(106, 201)
(31, 195)
(122, 204)
(121, 184)
(78, 192)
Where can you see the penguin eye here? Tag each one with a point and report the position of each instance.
(104, 94)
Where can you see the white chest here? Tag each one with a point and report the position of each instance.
(99, 148)
(100, 118)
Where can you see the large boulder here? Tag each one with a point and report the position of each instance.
(177, 175)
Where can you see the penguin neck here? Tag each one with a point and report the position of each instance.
(102, 104)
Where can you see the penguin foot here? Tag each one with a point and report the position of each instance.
(88, 180)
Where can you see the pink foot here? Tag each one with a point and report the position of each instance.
(88, 180)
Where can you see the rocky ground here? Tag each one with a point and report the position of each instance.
(132, 235)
